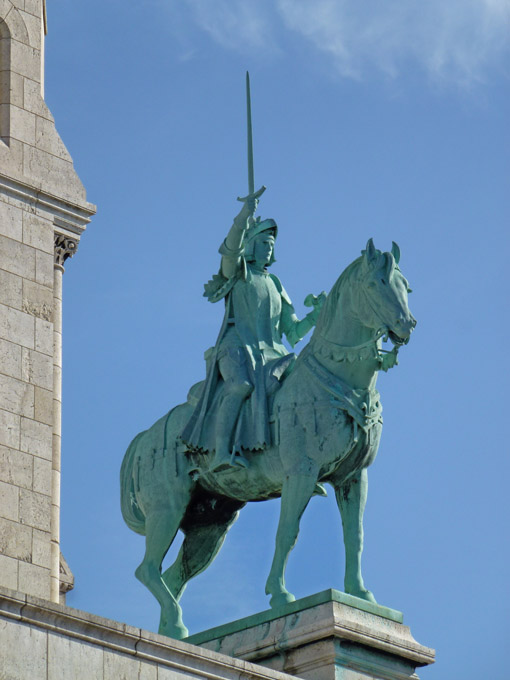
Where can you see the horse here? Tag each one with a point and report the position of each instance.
(326, 425)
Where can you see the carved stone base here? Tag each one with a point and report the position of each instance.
(327, 636)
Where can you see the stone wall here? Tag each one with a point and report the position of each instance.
(45, 641)
(26, 396)
(42, 204)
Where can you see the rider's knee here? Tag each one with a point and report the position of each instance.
(242, 389)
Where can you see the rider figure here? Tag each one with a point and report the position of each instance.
(249, 357)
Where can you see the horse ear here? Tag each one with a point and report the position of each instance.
(370, 251)
(395, 251)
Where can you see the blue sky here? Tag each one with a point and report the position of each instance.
(384, 120)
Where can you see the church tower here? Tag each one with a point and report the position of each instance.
(43, 212)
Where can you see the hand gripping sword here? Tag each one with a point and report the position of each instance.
(251, 181)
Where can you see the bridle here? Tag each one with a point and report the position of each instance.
(353, 348)
(339, 352)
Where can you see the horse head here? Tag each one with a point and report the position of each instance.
(383, 292)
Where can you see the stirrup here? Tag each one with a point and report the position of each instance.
(239, 461)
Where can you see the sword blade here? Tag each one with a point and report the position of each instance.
(251, 179)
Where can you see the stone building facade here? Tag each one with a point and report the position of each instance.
(43, 211)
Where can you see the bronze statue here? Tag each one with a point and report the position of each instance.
(264, 424)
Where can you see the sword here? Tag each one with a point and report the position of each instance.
(251, 180)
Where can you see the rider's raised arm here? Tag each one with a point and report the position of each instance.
(231, 249)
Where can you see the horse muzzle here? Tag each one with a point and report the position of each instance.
(402, 329)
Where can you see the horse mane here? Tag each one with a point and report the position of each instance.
(330, 307)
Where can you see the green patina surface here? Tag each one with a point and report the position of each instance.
(323, 597)
(265, 423)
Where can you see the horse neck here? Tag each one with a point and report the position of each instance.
(344, 329)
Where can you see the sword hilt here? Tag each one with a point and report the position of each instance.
(256, 194)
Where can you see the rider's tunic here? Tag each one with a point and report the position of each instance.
(257, 312)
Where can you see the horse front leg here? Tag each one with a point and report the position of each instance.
(296, 493)
(351, 498)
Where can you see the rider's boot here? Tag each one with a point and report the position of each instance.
(225, 425)
(239, 461)
(221, 460)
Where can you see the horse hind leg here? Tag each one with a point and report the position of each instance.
(201, 544)
(161, 526)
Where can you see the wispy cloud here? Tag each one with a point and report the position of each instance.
(450, 40)
(235, 24)
(453, 40)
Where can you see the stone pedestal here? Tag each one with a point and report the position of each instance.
(327, 636)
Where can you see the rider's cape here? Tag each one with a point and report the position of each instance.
(252, 431)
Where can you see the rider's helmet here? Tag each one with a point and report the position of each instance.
(257, 227)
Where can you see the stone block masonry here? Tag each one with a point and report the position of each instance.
(43, 212)
(60, 643)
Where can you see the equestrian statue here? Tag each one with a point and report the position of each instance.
(265, 423)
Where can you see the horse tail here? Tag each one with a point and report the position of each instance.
(131, 511)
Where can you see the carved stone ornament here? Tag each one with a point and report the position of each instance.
(65, 247)
(66, 576)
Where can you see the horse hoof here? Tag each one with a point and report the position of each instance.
(176, 631)
(281, 599)
(363, 594)
(368, 596)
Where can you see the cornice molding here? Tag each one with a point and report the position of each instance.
(69, 217)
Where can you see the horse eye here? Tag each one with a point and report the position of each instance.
(383, 282)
